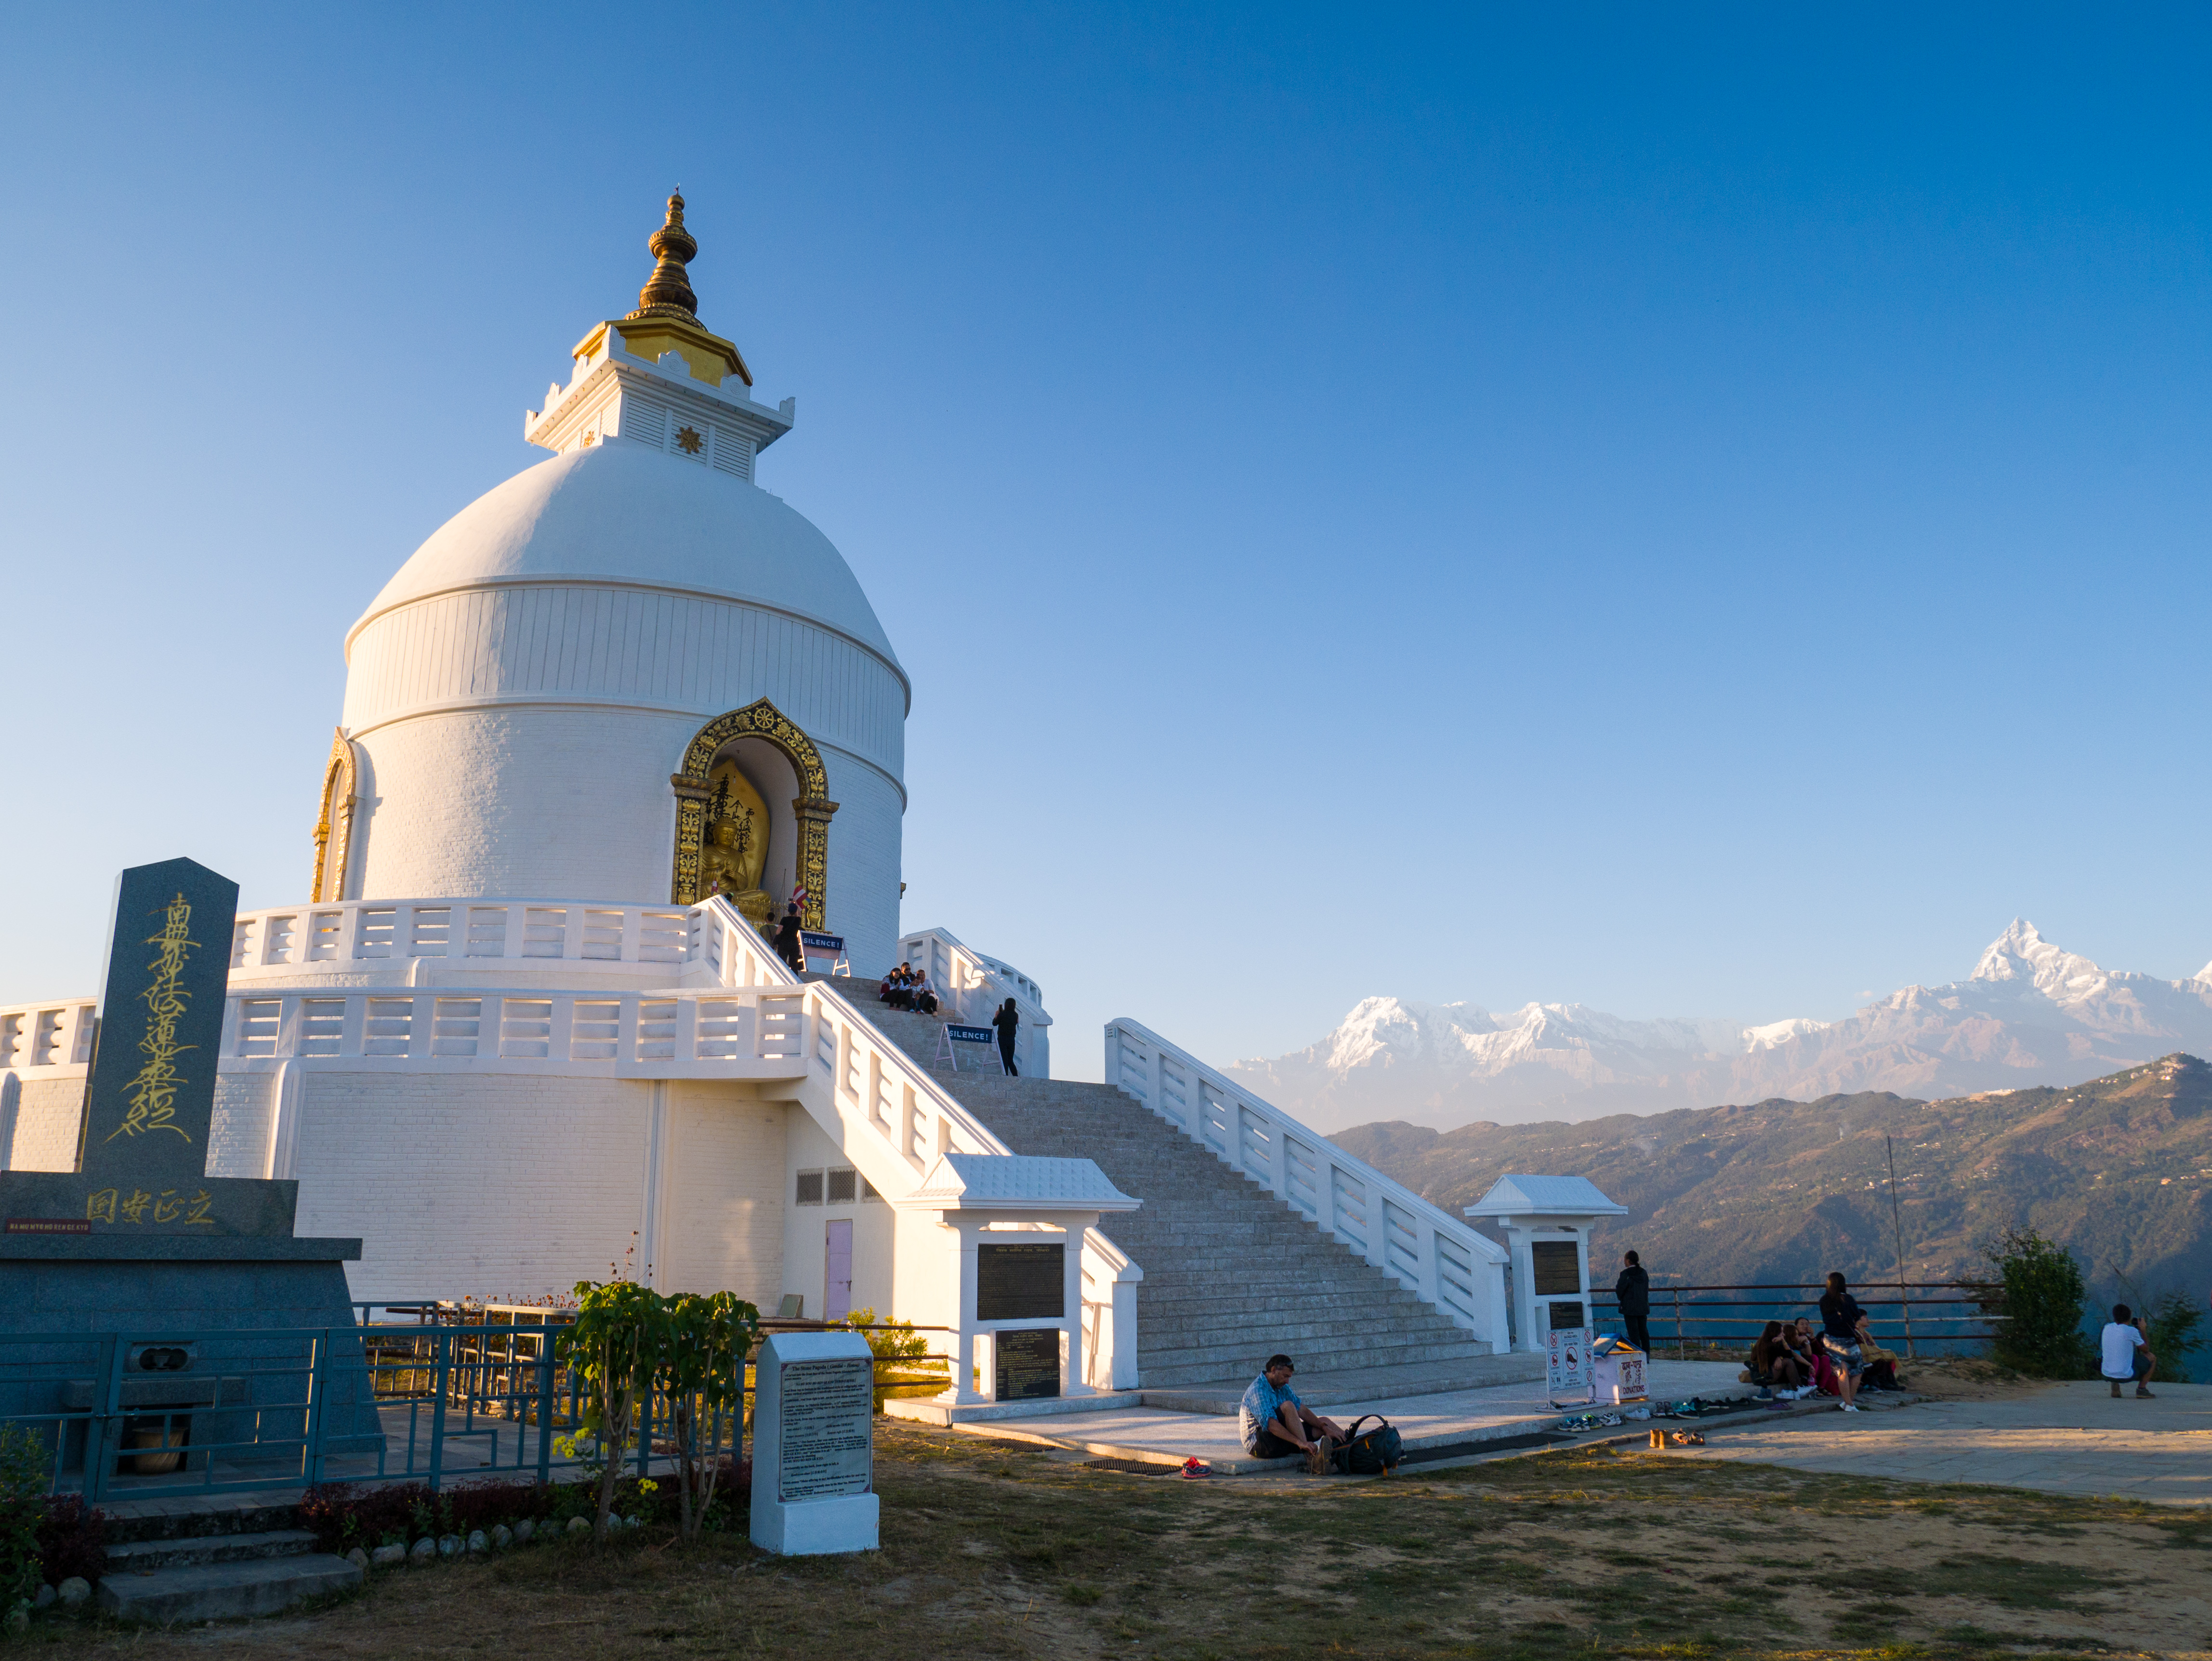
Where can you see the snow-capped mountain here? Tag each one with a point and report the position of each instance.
(2030, 1013)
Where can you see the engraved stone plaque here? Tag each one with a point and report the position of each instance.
(1556, 1268)
(825, 1410)
(1021, 1282)
(1029, 1363)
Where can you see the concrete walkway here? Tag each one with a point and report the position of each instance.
(1162, 1436)
(2069, 1439)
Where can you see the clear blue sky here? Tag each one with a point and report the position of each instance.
(1697, 513)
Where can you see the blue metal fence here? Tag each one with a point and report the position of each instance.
(140, 1414)
(421, 1397)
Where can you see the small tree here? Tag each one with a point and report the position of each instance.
(612, 1347)
(2041, 1296)
(700, 1345)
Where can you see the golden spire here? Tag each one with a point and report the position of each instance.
(668, 292)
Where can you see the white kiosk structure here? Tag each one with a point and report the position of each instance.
(1547, 1222)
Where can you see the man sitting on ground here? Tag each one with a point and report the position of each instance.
(1276, 1424)
(2127, 1351)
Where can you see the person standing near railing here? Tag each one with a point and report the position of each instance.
(1007, 1020)
(1633, 1292)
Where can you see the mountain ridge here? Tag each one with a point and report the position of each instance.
(2117, 1168)
(2030, 1013)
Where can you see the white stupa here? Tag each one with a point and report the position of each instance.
(524, 1028)
(534, 697)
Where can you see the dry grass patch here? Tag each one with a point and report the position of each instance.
(995, 1550)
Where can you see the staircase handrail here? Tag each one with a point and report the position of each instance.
(1427, 1250)
(913, 1117)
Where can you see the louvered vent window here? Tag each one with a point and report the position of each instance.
(733, 455)
(645, 422)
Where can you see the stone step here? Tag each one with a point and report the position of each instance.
(1324, 1390)
(1336, 1330)
(135, 1555)
(1238, 1353)
(224, 1590)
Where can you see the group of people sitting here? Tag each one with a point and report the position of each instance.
(1790, 1360)
(909, 989)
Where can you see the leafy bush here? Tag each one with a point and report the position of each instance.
(72, 1539)
(2041, 1296)
(23, 1459)
(897, 1343)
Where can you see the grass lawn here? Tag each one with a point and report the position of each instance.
(997, 1549)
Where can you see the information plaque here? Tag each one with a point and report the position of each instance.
(1029, 1363)
(824, 1409)
(1021, 1282)
(1555, 1268)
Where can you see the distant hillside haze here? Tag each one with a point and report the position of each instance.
(2031, 1013)
(2116, 1168)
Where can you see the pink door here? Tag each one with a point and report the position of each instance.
(839, 1303)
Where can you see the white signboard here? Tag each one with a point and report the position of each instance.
(813, 1443)
(1567, 1362)
(823, 1414)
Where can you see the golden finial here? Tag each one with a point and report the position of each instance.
(669, 291)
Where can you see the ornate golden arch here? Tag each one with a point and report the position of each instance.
(763, 720)
(334, 823)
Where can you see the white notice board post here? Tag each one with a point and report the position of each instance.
(814, 1455)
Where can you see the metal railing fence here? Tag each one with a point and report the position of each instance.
(133, 1415)
(1692, 1316)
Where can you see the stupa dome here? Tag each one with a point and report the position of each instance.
(621, 514)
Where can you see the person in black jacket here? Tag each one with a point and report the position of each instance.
(1007, 1020)
(1633, 1291)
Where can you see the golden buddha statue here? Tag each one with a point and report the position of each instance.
(736, 850)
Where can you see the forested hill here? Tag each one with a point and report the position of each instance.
(1783, 1191)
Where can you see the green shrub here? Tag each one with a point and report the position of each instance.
(2173, 1318)
(23, 1461)
(2041, 1296)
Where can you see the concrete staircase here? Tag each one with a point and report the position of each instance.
(1231, 1273)
(219, 1577)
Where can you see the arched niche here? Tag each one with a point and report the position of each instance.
(782, 764)
(334, 822)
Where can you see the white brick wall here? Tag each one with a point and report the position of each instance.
(725, 1192)
(238, 1140)
(47, 1118)
(458, 1183)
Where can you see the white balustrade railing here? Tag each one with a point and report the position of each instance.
(971, 988)
(46, 1037)
(748, 1033)
(363, 934)
(1428, 1251)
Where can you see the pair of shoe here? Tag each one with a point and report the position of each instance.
(1193, 1468)
(1317, 1457)
(1851, 1407)
(1762, 1394)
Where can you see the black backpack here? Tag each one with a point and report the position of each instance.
(1370, 1454)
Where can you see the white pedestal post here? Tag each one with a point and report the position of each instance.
(814, 1473)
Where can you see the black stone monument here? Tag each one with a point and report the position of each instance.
(139, 1242)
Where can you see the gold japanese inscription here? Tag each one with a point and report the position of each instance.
(111, 1205)
(153, 1092)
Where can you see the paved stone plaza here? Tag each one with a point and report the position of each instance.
(2070, 1438)
(1502, 1411)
